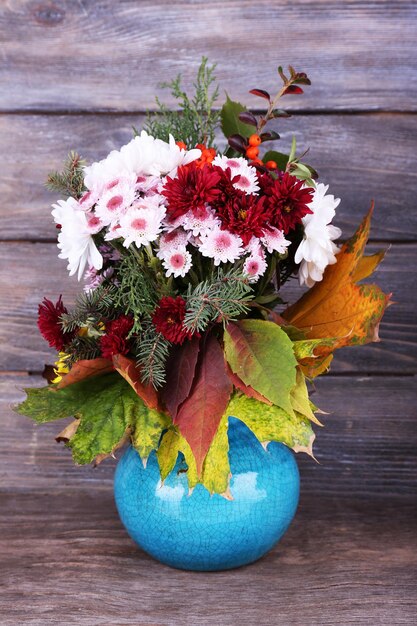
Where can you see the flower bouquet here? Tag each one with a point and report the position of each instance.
(181, 344)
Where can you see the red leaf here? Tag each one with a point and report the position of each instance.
(131, 373)
(261, 93)
(292, 89)
(247, 390)
(85, 369)
(180, 370)
(199, 415)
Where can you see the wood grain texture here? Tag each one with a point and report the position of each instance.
(64, 55)
(365, 450)
(361, 156)
(67, 560)
(30, 271)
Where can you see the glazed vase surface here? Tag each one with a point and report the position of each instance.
(199, 531)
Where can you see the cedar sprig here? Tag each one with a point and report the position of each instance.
(197, 121)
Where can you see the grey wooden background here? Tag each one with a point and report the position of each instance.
(78, 74)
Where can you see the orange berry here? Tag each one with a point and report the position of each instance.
(252, 152)
(255, 140)
(271, 165)
(181, 145)
(257, 162)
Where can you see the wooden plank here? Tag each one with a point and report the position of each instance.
(30, 271)
(365, 450)
(110, 56)
(66, 559)
(350, 153)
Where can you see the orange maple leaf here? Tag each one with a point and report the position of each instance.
(337, 306)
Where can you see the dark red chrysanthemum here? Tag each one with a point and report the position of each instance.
(168, 319)
(49, 323)
(288, 201)
(115, 340)
(245, 215)
(190, 190)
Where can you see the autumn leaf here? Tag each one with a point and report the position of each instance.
(300, 400)
(216, 469)
(85, 369)
(339, 308)
(131, 373)
(172, 444)
(271, 423)
(180, 372)
(199, 415)
(246, 389)
(261, 354)
(106, 406)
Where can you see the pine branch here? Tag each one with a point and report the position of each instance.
(152, 350)
(222, 299)
(69, 182)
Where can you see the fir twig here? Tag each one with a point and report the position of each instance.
(69, 182)
(91, 307)
(223, 298)
(152, 351)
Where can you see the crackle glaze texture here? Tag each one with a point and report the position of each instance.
(203, 532)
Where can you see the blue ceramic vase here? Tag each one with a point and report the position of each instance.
(208, 532)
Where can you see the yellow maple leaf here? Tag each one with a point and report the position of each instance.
(338, 306)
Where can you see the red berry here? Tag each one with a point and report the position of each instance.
(271, 165)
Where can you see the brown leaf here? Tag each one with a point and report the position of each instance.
(199, 415)
(84, 369)
(180, 371)
(68, 432)
(132, 374)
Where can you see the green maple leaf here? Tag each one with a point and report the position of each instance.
(106, 406)
(272, 423)
(261, 354)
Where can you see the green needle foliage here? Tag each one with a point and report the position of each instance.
(197, 121)
(221, 299)
(69, 182)
(152, 350)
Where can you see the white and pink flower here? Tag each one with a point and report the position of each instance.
(141, 226)
(274, 240)
(221, 245)
(177, 262)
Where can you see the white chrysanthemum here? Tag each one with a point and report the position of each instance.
(221, 246)
(317, 249)
(116, 197)
(177, 262)
(274, 240)
(254, 267)
(141, 226)
(74, 240)
(248, 178)
(143, 156)
(199, 225)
